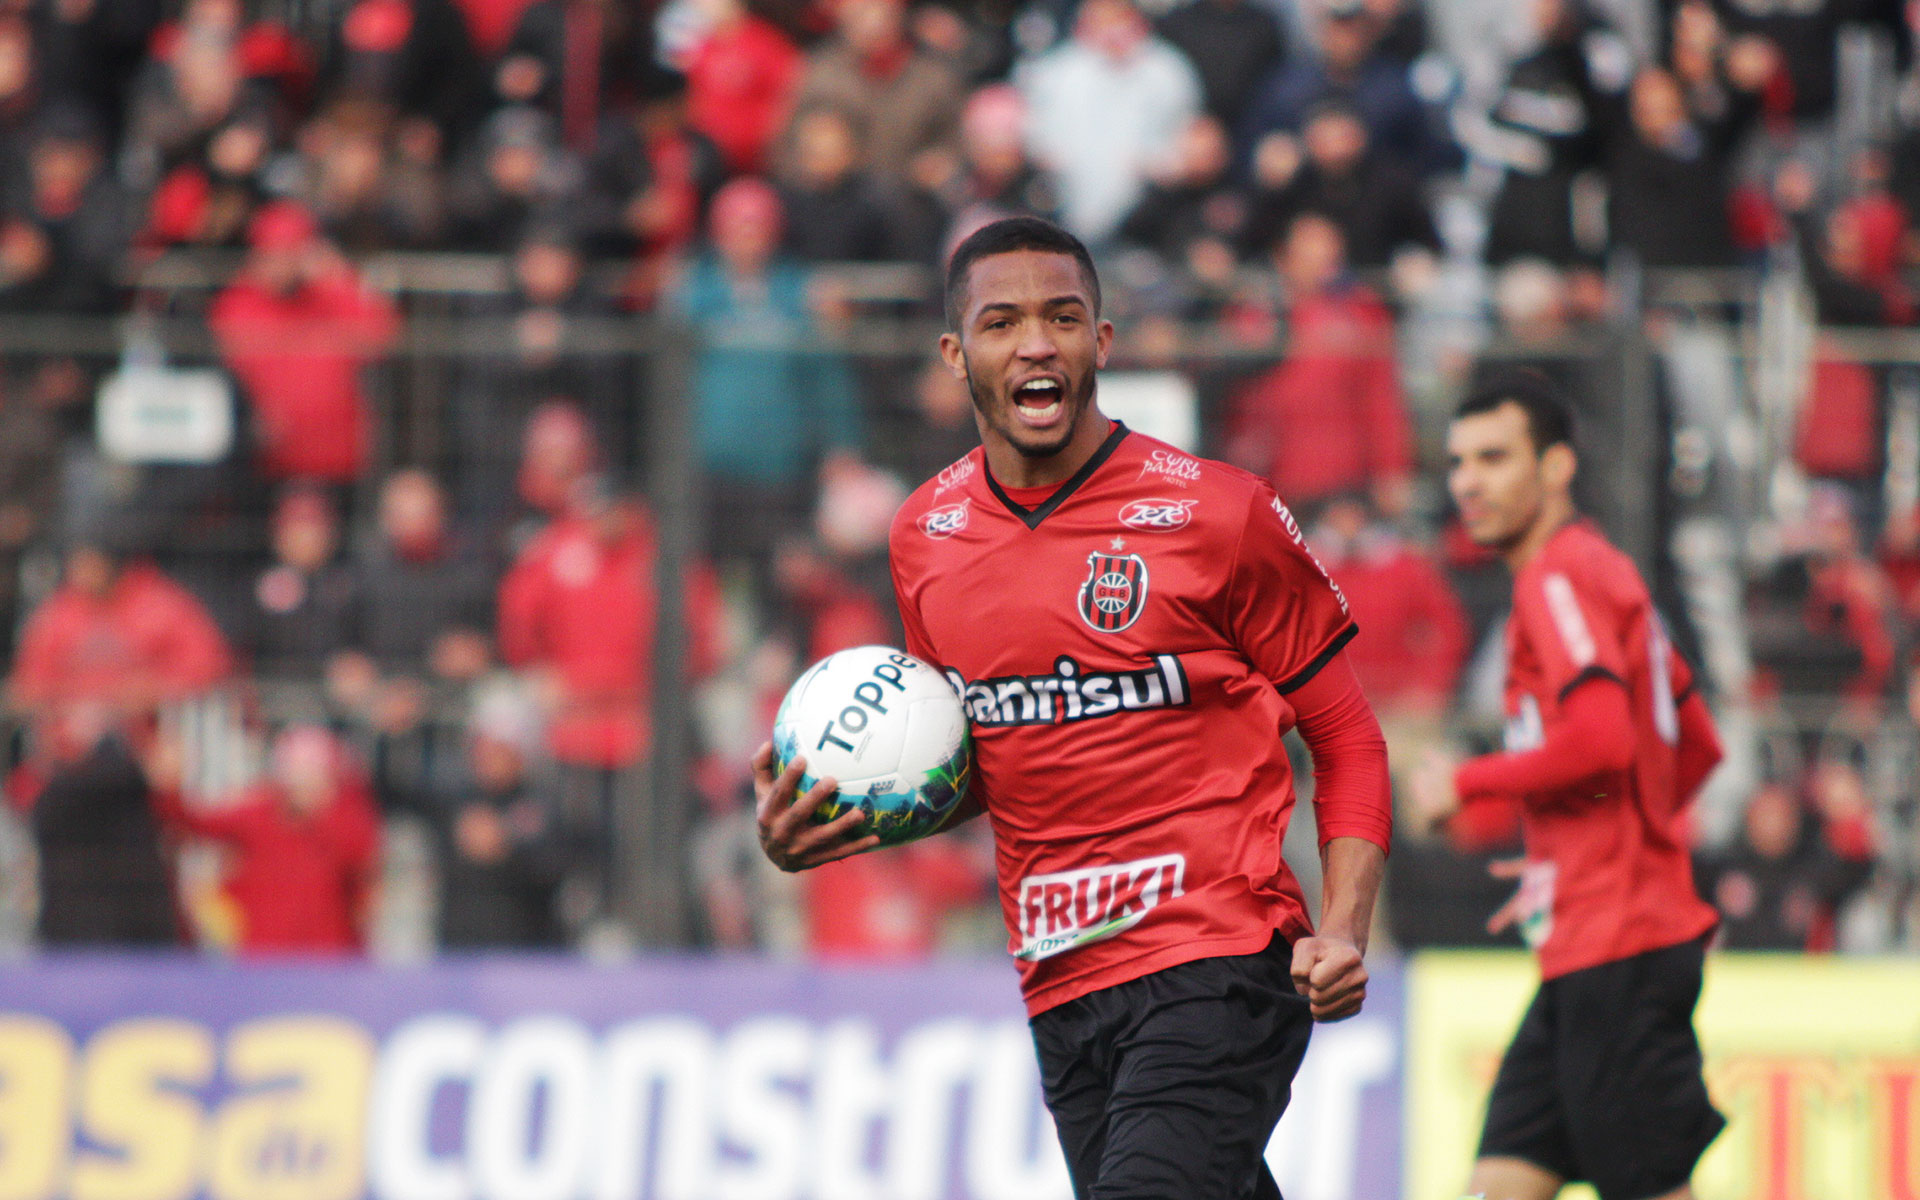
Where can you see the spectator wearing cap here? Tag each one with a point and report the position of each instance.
(516, 176)
(1103, 109)
(578, 613)
(579, 60)
(304, 847)
(835, 211)
(296, 327)
(741, 75)
(413, 59)
(558, 454)
(303, 608)
(1329, 418)
(1334, 170)
(773, 409)
(1349, 69)
(502, 849)
(1233, 44)
(904, 101)
(65, 223)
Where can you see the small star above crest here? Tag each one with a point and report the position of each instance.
(1119, 544)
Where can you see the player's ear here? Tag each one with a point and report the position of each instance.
(953, 355)
(1558, 464)
(1103, 342)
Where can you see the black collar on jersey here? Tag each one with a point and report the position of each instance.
(1031, 517)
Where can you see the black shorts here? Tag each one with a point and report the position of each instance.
(1170, 1085)
(1602, 1082)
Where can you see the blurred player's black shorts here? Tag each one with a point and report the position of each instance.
(1171, 1084)
(1602, 1082)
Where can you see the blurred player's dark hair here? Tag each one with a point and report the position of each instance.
(1007, 236)
(1549, 420)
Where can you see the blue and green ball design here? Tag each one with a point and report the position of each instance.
(901, 799)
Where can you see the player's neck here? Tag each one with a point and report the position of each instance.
(1555, 514)
(1016, 470)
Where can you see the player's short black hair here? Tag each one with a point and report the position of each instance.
(1549, 420)
(1007, 236)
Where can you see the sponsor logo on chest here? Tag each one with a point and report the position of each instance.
(945, 521)
(1072, 693)
(1065, 910)
(1156, 515)
(1178, 468)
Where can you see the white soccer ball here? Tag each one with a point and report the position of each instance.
(889, 729)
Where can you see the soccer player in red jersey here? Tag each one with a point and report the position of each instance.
(1606, 742)
(1132, 630)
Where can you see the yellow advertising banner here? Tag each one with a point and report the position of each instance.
(1815, 1061)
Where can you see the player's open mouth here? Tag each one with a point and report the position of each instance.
(1038, 401)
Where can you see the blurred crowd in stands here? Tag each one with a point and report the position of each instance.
(320, 637)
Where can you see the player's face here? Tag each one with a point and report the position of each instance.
(1495, 476)
(1028, 346)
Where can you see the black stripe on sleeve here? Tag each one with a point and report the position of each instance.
(1304, 675)
(1595, 671)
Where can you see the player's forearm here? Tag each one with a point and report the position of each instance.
(1352, 794)
(1351, 869)
(1593, 736)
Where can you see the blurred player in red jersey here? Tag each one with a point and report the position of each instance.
(1132, 631)
(1606, 742)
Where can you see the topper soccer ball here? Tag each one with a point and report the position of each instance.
(889, 729)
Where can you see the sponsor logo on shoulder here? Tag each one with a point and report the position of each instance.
(1157, 515)
(954, 474)
(1299, 539)
(1066, 910)
(945, 521)
(1179, 468)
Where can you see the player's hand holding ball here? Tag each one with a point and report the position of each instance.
(870, 748)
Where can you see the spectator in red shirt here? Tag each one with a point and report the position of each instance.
(1328, 418)
(305, 843)
(741, 78)
(1416, 632)
(296, 328)
(119, 633)
(578, 613)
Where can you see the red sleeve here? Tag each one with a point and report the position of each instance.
(1570, 633)
(364, 316)
(1352, 795)
(522, 596)
(1592, 736)
(195, 651)
(918, 644)
(36, 669)
(1699, 751)
(1283, 613)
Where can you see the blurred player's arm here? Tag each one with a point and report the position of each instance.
(1700, 749)
(1352, 803)
(1593, 736)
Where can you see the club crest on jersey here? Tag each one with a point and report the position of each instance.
(1114, 591)
(945, 521)
(1156, 515)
